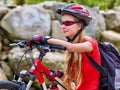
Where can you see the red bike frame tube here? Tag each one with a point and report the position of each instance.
(38, 69)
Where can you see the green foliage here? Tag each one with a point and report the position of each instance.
(103, 4)
(117, 3)
(33, 1)
(19, 2)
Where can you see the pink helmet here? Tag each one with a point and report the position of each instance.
(76, 10)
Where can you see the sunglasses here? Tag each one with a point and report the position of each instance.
(69, 23)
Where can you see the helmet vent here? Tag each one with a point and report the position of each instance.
(77, 7)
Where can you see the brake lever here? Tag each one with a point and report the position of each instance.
(21, 45)
(13, 44)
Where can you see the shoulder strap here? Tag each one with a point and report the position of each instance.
(102, 71)
(97, 66)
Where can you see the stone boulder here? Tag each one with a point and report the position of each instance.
(15, 59)
(112, 19)
(53, 6)
(7, 70)
(51, 59)
(97, 24)
(56, 30)
(117, 8)
(24, 22)
(0, 47)
(3, 11)
(2, 75)
(111, 36)
(4, 40)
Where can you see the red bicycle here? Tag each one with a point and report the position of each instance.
(36, 71)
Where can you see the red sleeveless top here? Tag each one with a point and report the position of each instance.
(90, 76)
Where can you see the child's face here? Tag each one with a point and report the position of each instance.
(70, 25)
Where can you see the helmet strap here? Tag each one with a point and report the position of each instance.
(79, 31)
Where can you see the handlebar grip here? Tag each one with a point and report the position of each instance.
(21, 43)
(58, 47)
(16, 41)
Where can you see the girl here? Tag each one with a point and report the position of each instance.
(78, 70)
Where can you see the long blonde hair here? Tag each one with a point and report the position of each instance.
(71, 76)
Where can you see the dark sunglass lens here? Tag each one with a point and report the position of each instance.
(68, 23)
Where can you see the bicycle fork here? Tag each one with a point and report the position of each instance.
(24, 73)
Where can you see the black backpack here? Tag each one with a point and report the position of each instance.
(110, 69)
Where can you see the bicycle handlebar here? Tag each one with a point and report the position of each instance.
(58, 47)
(17, 41)
(22, 43)
(42, 48)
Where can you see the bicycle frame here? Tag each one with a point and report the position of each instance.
(36, 71)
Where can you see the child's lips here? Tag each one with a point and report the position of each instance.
(64, 31)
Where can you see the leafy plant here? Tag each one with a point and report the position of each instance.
(33, 1)
(103, 4)
(19, 2)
